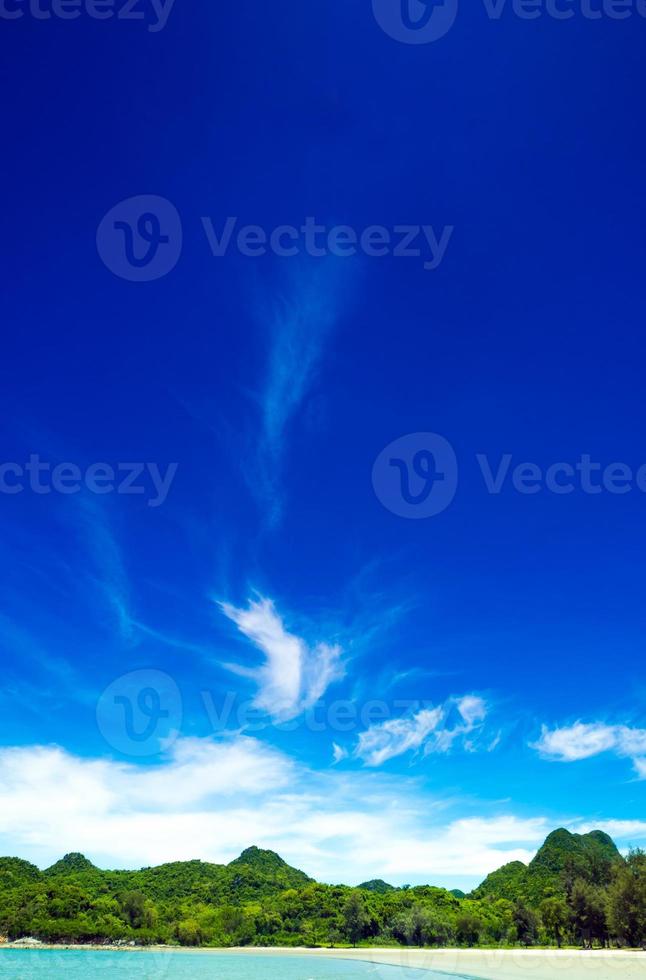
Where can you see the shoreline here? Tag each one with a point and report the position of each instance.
(478, 964)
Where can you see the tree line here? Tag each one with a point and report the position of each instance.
(563, 899)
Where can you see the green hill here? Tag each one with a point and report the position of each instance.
(562, 849)
(377, 885)
(175, 882)
(563, 858)
(14, 872)
(260, 899)
(70, 864)
(264, 871)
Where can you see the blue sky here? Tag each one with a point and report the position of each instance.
(368, 693)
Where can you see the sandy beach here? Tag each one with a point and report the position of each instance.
(507, 964)
(479, 964)
(513, 964)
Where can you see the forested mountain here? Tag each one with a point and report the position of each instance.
(71, 864)
(563, 858)
(377, 885)
(577, 889)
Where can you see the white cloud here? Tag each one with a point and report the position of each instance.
(396, 736)
(583, 741)
(640, 767)
(576, 742)
(294, 675)
(620, 830)
(472, 709)
(212, 798)
(631, 741)
(428, 730)
(194, 770)
(339, 753)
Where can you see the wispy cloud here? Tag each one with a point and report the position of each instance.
(640, 767)
(108, 577)
(64, 680)
(338, 752)
(427, 731)
(294, 675)
(583, 741)
(397, 735)
(174, 642)
(298, 329)
(98, 572)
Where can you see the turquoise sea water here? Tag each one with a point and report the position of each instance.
(85, 965)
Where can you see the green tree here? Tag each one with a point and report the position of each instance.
(627, 901)
(588, 913)
(355, 918)
(421, 926)
(526, 924)
(468, 929)
(136, 910)
(189, 932)
(334, 934)
(556, 916)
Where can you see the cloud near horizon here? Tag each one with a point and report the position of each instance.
(294, 675)
(208, 799)
(583, 741)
